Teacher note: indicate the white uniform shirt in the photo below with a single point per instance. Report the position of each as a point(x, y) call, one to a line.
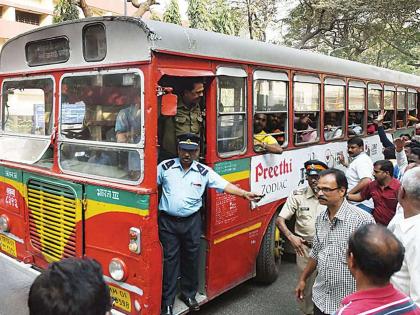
point(407, 280)
point(360, 167)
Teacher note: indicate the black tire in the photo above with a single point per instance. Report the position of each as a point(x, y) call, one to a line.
point(269, 257)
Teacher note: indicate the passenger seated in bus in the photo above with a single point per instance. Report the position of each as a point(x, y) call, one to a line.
point(264, 142)
point(355, 123)
point(333, 128)
point(128, 130)
point(275, 126)
point(304, 131)
point(371, 126)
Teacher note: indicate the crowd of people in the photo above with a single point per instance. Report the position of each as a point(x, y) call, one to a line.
point(356, 257)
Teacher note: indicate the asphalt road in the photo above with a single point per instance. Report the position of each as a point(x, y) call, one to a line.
point(252, 298)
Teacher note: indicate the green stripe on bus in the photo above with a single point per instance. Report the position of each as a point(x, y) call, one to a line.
point(228, 167)
point(117, 197)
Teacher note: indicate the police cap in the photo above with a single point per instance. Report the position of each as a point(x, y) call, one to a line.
point(314, 167)
point(188, 141)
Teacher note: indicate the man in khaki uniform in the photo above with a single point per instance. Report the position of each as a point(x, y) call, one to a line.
point(189, 117)
point(304, 204)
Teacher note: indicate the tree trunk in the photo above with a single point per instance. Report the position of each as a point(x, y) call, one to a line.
point(143, 7)
point(85, 8)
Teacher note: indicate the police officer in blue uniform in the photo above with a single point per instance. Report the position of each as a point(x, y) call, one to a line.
point(183, 182)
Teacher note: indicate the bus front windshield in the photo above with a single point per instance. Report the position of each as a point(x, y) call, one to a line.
point(27, 119)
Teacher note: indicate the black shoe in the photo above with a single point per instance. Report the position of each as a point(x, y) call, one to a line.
point(166, 310)
point(191, 302)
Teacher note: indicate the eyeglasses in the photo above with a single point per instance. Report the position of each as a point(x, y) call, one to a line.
point(327, 190)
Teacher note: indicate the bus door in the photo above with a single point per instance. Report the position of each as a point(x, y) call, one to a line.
point(170, 83)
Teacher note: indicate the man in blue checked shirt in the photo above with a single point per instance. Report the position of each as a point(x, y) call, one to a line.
point(184, 181)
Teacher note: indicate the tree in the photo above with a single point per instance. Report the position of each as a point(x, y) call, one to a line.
point(222, 19)
point(172, 14)
point(383, 33)
point(65, 10)
point(198, 15)
point(257, 15)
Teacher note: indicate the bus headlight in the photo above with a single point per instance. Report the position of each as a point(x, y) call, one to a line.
point(4, 223)
point(117, 269)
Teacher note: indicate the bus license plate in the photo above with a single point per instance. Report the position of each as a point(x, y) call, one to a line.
point(121, 298)
point(8, 245)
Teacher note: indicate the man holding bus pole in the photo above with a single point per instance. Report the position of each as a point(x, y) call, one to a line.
point(184, 181)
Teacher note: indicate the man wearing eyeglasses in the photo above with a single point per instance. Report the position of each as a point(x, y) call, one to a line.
point(304, 205)
point(333, 228)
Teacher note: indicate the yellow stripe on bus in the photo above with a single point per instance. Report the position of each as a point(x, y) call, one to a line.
point(234, 177)
point(95, 208)
point(18, 186)
point(242, 231)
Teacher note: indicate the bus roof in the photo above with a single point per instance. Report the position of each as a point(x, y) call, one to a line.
point(135, 40)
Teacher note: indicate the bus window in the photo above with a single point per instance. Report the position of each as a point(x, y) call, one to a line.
point(270, 99)
point(306, 98)
point(334, 108)
point(103, 109)
point(389, 107)
point(357, 92)
point(374, 106)
point(27, 118)
point(231, 105)
point(412, 109)
point(94, 42)
point(401, 108)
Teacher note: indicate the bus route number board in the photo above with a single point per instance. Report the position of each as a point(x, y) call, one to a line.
point(8, 245)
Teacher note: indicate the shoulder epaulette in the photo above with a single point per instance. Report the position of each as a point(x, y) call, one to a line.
point(203, 171)
point(168, 164)
point(298, 192)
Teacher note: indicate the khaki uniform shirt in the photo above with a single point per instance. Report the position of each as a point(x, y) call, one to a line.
point(186, 121)
point(306, 206)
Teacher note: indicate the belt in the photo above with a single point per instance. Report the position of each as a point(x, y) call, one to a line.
point(175, 218)
point(307, 243)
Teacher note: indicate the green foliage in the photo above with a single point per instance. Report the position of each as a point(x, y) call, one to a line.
point(222, 19)
point(65, 10)
point(172, 14)
point(380, 32)
point(198, 15)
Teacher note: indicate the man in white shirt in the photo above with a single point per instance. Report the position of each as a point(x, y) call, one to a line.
point(407, 231)
point(359, 171)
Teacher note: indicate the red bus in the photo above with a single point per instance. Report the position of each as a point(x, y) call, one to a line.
point(65, 185)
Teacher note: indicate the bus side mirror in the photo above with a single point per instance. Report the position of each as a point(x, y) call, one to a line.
point(169, 103)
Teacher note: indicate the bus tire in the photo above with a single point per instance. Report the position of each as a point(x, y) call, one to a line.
point(269, 256)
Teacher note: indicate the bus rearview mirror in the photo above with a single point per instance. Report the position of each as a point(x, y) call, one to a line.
point(169, 103)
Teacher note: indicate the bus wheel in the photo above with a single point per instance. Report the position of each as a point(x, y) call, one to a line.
point(269, 257)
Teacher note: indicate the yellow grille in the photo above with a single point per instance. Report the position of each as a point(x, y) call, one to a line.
point(52, 219)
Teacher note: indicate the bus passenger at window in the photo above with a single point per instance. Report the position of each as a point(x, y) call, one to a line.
point(275, 126)
point(128, 130)
point(303, 123)
point(264, 142)
point(371, 126)
point(189, 117)
point(333, 129)
point(355, 124)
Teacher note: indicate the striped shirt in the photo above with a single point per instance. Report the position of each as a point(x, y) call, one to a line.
point(334, 280)
point(378, 301)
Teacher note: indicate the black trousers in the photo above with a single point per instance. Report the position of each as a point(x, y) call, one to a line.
point(317, 311)
point(180, 238)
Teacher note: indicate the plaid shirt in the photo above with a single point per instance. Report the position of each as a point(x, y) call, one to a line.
point(334, 280)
